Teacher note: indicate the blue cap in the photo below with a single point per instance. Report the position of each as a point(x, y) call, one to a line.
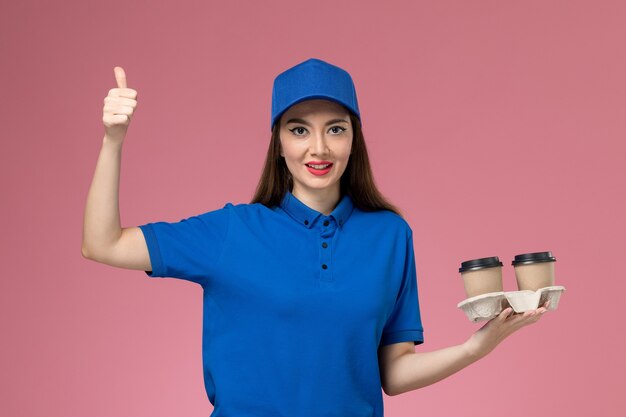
point(311, 79)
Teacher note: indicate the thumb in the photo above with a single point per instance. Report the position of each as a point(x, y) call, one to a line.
point(120, 77)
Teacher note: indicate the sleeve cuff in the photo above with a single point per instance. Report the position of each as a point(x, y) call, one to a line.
point(153, 249)
point(415, 336)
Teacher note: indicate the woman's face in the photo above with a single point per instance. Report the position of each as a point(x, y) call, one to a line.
point(316, 132)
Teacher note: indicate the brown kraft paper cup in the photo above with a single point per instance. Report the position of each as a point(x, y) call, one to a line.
point(481, 276)
point(534, 270)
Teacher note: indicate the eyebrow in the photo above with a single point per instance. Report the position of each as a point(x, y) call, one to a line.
point(304, 122)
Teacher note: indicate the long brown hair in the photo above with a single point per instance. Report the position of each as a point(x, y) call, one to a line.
point(357, 180)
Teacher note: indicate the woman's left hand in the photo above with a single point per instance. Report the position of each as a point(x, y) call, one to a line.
point(499, 328)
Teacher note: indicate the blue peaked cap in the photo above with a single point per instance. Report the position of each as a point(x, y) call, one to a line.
point(311, 79)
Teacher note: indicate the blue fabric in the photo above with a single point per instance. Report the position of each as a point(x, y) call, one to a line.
point(313, 79)
point(282, 335)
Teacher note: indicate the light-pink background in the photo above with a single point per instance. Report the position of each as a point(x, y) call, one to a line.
point(497, 126)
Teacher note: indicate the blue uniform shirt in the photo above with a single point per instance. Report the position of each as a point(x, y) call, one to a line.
point(296, 303)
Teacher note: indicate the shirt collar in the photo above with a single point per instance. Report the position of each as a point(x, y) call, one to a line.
point(307, 216)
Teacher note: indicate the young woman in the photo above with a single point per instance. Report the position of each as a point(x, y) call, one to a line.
point(310, 290)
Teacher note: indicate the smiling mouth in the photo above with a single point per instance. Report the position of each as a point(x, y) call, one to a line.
point(323, 166)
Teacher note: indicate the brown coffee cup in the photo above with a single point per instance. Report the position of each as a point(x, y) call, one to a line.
point(481, 276)
point(534, 270)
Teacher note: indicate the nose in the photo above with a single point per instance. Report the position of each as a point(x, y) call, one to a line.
point(318, 144)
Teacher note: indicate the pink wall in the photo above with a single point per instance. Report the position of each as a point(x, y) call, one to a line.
point(497, 126)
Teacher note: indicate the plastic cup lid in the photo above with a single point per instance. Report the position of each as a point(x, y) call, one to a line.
point(480, 263)
point(528, 258)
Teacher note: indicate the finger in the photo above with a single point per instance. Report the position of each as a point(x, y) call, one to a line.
point(525, 318)
point(120, 77)
point(506, 313)
point(119, 100)
point(123, 92)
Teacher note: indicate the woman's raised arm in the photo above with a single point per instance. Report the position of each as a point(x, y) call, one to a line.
point(104, 240)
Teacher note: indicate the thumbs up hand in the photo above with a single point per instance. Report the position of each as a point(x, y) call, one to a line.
point(119, 106)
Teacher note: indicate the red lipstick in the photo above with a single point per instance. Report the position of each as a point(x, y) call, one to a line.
point(316, 171)
point(318, 162)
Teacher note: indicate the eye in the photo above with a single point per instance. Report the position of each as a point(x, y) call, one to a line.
point(298, 131)
point(341, 129)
